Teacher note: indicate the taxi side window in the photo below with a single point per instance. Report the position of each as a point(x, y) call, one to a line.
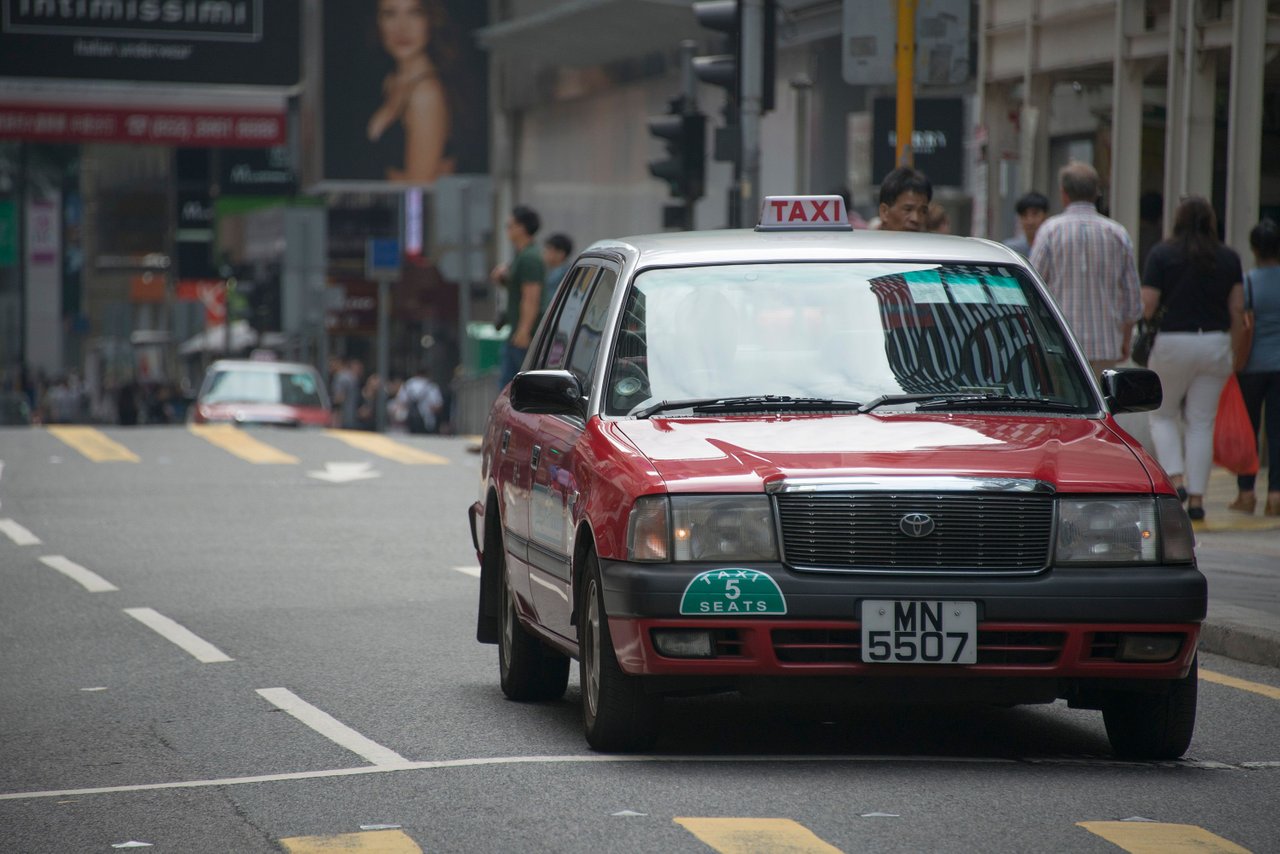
point(573, 301)
point(586, 346)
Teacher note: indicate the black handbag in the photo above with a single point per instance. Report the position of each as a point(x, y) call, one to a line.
point(1144, 338)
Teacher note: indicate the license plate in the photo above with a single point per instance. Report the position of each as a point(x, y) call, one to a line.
point(900, 631)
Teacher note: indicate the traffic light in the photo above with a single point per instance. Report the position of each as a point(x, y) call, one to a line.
point(684, 168)
point(725, 70)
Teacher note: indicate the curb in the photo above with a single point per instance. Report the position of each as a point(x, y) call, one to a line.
point(1241, 633)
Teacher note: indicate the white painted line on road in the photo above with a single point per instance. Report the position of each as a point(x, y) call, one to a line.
point(473, 571)
point(442, 764)
point(201, 649)
point(86, 578)
point(332, 728)
point(20, 535)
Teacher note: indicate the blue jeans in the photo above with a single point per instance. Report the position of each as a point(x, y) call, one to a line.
point(512, 359)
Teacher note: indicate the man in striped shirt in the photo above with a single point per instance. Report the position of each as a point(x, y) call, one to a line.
point(1087, 261)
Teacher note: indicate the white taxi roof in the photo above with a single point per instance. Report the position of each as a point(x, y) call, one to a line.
point(747, 246)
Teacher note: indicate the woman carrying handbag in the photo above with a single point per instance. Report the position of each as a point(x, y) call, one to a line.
point(1260, 374)
point(1197, 280)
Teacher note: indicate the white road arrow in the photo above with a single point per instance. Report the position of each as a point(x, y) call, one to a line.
point(345, 472)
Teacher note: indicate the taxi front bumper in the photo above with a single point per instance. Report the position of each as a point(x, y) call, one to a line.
point(1063, 623)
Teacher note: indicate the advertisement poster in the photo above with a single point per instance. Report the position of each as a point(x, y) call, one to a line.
point(404, 91)
point(248, 42)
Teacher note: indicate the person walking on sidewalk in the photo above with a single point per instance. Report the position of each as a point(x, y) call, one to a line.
point(1195, 280)
point(1087, 261)
point(1260, 376)
point(523, 279)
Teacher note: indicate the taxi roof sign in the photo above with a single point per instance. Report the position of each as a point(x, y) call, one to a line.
point(803, 213)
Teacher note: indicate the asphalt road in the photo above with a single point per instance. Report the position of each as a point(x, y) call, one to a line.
point(204, 654)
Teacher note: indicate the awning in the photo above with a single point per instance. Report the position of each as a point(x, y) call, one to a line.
point(591, 32)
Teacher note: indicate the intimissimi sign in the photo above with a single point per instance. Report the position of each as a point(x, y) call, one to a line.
point(218, 20)
point(245, 42)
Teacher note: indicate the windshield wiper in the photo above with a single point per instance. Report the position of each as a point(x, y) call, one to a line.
point(997, 401)
point(968, 400)
point(749, 403)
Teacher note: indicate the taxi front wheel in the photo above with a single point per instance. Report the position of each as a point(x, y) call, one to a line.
point(618, 714)
point(1155, 725)
point(529, 669)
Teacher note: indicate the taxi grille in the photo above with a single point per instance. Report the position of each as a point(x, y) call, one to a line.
point(865, 532)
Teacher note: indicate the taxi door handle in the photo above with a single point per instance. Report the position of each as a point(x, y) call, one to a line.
point(536, 458)
point(506, 440)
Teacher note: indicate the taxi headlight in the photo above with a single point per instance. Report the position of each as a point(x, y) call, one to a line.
point(1107, 530)
point(702, 528)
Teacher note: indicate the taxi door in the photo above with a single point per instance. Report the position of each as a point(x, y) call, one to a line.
point(560, 478)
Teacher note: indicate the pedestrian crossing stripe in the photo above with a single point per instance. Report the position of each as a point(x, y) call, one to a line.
point(756, 835)
point(387, 448)
point(1152, 837)
point(93, 444)
point(239, 442)
point(370, 842)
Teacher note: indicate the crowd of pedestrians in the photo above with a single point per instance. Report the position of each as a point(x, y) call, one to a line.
point(1213, 319)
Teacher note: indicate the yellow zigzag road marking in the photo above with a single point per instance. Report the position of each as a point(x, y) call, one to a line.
point(388, 448)
point(1242, 684)
point(94, 444)
point(756, 835)
point(371, 842)
point(237, 441)
point(1149, 837)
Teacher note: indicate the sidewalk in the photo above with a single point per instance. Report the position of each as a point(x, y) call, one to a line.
point(1240, 555)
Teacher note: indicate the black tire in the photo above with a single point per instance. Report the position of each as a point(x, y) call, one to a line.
point(1153, 725)
point(618, 715)
point(529, 669)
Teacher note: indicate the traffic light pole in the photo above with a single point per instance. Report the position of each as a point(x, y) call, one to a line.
point(751, 106)
point(689, 90)
point(904, 155)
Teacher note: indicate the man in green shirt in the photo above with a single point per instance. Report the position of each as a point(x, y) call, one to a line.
point(523, 279)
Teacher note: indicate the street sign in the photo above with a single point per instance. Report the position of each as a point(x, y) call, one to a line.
point(870, 36)
point(382, 259)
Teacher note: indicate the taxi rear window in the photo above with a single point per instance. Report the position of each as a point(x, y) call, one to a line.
point(847, 331)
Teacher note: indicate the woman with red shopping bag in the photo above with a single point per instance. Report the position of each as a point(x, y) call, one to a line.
point(1260, 375)
point(1197, 282)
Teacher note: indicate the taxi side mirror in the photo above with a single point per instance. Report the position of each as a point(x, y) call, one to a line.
point(548, 393)
point(1132, 389)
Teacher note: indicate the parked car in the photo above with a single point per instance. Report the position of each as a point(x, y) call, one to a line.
point(804, 459)
point(244, 391)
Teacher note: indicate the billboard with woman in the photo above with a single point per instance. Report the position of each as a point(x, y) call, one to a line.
point(404, 91)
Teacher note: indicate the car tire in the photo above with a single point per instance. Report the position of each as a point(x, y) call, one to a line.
point(618, 715)
point(1153, 725)
point(529, 669)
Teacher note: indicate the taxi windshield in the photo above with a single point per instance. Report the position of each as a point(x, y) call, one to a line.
point(875, 333)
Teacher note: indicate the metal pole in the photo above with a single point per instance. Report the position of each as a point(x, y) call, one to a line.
point(803, 87)
point(904, 156)
point(751, 58)
point(689, 92)
point(464, 287)
point(384, 348)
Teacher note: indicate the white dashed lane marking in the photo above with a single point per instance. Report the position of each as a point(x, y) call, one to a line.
point(86, 578)
point(332, 728)
point(20, 535)
point(200, 649)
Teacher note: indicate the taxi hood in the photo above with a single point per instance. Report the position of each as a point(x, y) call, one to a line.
point(742, 454)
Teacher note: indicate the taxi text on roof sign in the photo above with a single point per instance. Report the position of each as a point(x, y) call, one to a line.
point(807, 213)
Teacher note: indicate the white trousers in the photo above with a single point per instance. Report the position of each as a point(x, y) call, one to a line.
point(1193, 368)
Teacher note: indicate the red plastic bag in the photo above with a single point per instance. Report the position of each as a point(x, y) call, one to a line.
point(1235, 447)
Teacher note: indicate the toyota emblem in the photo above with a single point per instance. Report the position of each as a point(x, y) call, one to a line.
point(916, 525)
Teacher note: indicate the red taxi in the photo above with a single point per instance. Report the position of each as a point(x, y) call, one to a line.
point(802, 458)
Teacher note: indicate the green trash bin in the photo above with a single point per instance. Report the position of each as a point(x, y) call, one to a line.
point(485, 352)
